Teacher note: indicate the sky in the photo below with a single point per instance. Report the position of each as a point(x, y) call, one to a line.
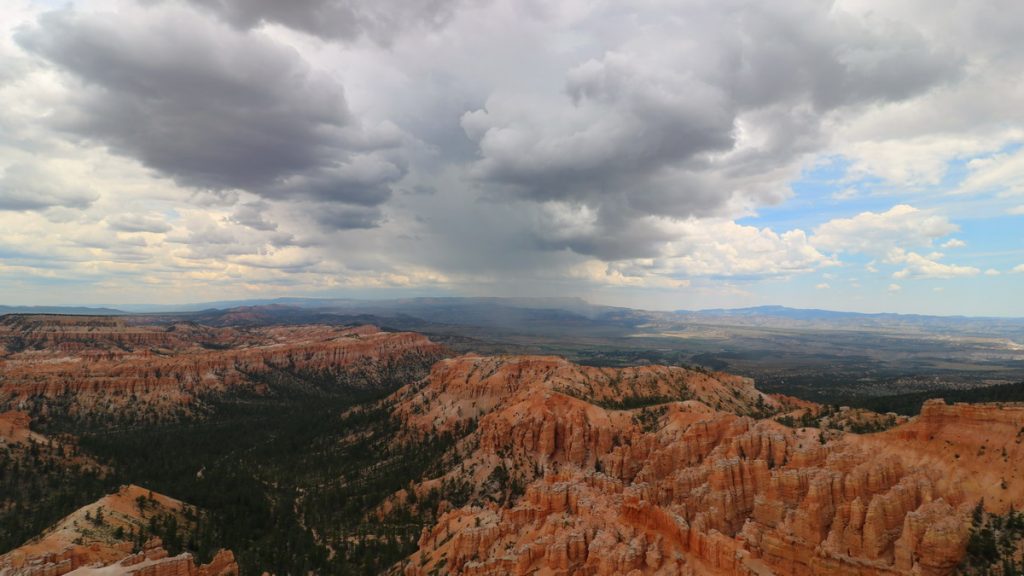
point(850, 155)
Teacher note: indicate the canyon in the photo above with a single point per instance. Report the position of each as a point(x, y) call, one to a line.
point(709, 483)
point(104, 538)
point(524, 464)
point(99, 364)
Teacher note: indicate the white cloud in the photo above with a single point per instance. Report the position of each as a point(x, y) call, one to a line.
point(879, 232)
point(605, 274)
point(846, 194)
point(136, 222)
point(919, 161)
point(918, 266)
point(1001, 173)
point(992, 272)
point(893, 288)
point(701, 248)
point(710, 248)
point(954, 243)
point(1018, 269)
point(30, 186)
point(822, 286)
point(1016, 210)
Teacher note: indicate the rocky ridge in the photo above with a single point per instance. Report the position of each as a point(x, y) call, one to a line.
point(97, 364)
point(80, 545)
point(525, 414)
point(661, 470)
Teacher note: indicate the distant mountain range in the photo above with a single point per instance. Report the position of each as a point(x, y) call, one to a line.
point(817, 314)
point(553, 316)
point(60, 310)
point(817, 354)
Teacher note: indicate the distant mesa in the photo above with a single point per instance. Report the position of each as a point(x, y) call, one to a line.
point(80, 310)
point(104, 363)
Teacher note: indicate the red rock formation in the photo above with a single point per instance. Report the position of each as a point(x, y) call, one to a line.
point(469, 387)
point(105, 362)
point(685, 488)
point(529, 414)
point(14, 427)
point(71, 548)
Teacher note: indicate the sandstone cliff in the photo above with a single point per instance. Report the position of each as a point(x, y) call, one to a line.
point(696, 485)
point(521, 415)
point(99, 364)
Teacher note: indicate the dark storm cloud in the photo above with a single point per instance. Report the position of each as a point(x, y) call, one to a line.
point(691, 117)
point(214, 108)
point(25, 187)
point(380, 20)
point(331, 217)
point(251, 214)
point(634, 241)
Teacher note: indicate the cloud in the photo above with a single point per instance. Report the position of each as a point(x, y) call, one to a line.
point(912, 162)
point(846, 194)
point(251, 214)
point(954, 243)
point(992, 272)
point(1018, 269)
point(1016, 211)
point(346, 218)
point(879, 232)
point(918, 266)
point(257, 147)
point(288, 259)
point(212, 107)
point(380, 20)
point(723, 249)
point(701, 114)
point(605, 274)
point(823, 286)
point(1002, 173)
point(894, 288)
point(138, 223)
point(25, 187)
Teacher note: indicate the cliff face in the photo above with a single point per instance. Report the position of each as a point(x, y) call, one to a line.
point(691, 488)
point(152, 560)
point(527, 414)
point(14, 428)
point(102, 363)
point(81, 546)
point(470, 387)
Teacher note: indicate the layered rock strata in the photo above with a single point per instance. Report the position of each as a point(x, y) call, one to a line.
point(698, 486)
point(98, 364)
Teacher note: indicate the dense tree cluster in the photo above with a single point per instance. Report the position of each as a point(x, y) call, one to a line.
point(996, 544)
point(910, 404)
point(290, 480)
point(40, 483)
